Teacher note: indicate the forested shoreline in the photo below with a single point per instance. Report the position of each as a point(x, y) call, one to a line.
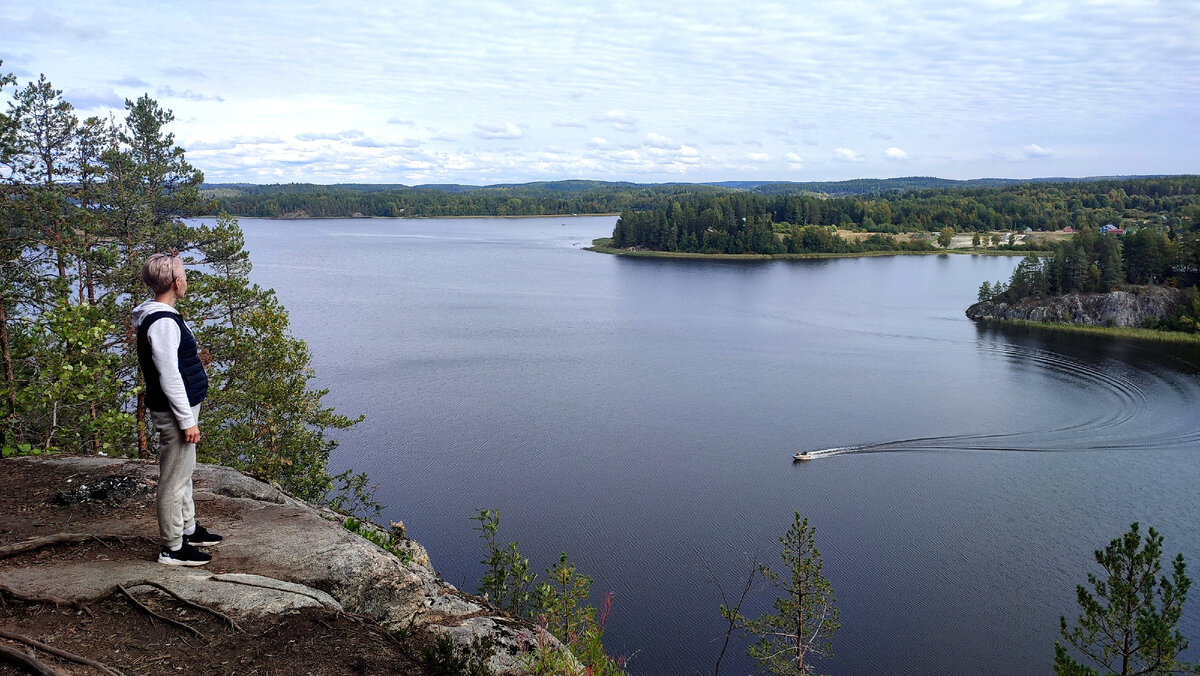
point(1097, 263)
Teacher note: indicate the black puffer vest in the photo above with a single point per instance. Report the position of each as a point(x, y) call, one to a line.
point(195, 380)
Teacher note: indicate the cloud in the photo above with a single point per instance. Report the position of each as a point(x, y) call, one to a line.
point(620, 120)
point(234, 142)
point(91, 99)
point(846, 155)
point(130, 81)
point(881, 136)
point(570, 122)
point(176, 71)
point(379, 143)
point(44, 23)
point(659, 141)
point(404, 123)
point(187, 94)
point(758, 157)
point(599, 143)
point(894, 153)
point(1034, 151)
point(330, 136)
point(794, 161)
point(508, 130)
point(444, 136)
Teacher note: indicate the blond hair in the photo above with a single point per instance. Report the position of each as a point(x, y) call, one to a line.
point(159, 272)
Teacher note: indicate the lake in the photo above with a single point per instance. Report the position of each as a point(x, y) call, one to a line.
point(640, 414)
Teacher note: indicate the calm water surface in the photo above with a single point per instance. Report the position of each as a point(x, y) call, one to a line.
point(641, 414)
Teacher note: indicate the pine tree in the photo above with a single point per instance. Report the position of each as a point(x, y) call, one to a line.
point(1129, 623)
point(805, 613)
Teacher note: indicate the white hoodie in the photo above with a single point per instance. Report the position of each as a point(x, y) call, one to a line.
point(164, 339)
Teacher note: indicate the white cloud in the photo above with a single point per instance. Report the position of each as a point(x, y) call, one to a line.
point(330, 136)
point(92, 99)
point(188, 94)
point(1034, 151)
point(846, 155)
point(794, 161)
point(130, 81)
point(660, 141)
point(620, 120)
point(570, 122)
point(599, 143)
point(894, 153)
point(396, 119)
point(179, 71)
point(508, 130)
point(758, 157)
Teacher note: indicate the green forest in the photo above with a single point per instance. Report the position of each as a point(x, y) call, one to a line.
point(745, 222)
point(83, 203)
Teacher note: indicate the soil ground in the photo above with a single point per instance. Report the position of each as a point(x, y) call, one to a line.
point(115, 632)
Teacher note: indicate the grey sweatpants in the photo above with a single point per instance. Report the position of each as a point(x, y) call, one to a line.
point(176, 460)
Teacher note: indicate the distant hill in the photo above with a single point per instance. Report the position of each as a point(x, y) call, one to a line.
point(879, 186)
point(859, 186)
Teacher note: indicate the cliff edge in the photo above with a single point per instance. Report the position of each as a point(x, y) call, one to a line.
point(1127, 308)
point(290, 590)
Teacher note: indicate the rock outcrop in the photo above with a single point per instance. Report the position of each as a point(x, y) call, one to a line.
point(279, 554)
point(1118, 308)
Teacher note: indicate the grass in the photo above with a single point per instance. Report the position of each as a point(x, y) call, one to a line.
point(1130, 332)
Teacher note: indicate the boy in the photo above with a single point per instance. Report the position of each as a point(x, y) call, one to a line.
point(175, 385)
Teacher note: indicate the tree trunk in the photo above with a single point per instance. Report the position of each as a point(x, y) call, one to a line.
point(9, 377)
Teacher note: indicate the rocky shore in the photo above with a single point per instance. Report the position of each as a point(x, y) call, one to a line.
point(1124, 308)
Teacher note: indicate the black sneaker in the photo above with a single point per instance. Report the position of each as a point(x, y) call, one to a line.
point(202, 538)
point(186, 555)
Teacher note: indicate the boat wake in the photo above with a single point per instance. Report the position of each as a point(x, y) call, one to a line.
point(1122, 417)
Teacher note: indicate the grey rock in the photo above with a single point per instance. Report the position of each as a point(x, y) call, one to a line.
point(1118, 308)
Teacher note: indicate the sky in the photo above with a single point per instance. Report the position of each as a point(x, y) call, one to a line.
point(486, 92)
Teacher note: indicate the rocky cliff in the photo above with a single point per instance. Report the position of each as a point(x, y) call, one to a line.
point(304, 594)
point(1119, 308)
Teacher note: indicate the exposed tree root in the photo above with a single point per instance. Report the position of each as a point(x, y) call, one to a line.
point(56, 539)
point(58, 652)
point(28, 661)
point(6, 591)
point(197, 606)
point(168, 620)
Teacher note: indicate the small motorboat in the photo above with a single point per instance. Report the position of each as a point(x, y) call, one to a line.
point(801, 457)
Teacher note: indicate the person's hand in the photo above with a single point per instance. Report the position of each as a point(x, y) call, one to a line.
point(192, 434)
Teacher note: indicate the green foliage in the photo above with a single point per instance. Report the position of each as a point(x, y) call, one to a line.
point(508, 580)
point(20, 450)
point(805, 613)
point(385, 541)
point(563, 601)
point(444, 658)
point(560, 607)
point(1128, 622)
point(945, 237)
point(64, 389)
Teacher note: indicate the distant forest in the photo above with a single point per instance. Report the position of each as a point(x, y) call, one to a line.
point(769, 218)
